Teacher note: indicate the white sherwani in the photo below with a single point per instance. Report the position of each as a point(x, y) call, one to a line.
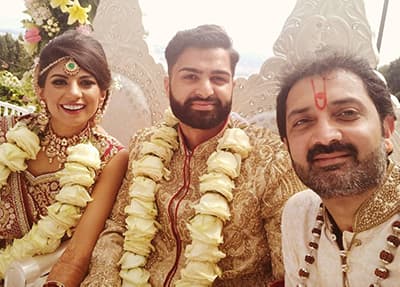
point(372, 227)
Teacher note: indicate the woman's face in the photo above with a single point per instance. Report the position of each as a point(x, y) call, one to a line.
point(72, 96)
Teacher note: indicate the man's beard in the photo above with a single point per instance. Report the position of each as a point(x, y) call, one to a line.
point(200, 119)
point(346, 179)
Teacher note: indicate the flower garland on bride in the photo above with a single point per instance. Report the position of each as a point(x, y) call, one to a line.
point(75, 179)
point(203, 254)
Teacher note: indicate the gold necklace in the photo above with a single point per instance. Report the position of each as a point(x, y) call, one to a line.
point(386, 255)
point(55, 146)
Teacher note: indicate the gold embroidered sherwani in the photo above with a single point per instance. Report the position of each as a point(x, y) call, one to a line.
point(372, 227)
point(252, 240)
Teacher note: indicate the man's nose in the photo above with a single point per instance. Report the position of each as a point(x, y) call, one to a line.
point(205, 89)
point(325, 133)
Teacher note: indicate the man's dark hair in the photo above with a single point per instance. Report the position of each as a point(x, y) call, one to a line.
point(376, 88)
point(203, 37)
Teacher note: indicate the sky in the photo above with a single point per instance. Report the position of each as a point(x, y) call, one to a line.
point(254, 28)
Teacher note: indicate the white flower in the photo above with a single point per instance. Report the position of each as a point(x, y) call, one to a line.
point(203, 273)
point(206, 228)
point(64, 214)
point(167, 134)
point(150, 166)
point(4, 173)
point(130, 260)
point(213, 204)
point(85, 154)
point(217, 182)
point(25, 139)
point(169, 118)
point(74, 194)
point(201, 251)
point(157, 148)
point(236, 141)
point(135, 276)
point(226, 162)
point(76, 173)
point(13, 157)
point(141, 208)
point(143, 188)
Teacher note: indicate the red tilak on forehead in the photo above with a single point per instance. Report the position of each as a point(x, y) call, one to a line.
point(320, 98)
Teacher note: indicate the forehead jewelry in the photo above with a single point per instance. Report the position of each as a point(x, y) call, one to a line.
point(71, 68)
point(320, 98)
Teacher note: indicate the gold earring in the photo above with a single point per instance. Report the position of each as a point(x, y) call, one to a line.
point(44, 116)
point(98, 116)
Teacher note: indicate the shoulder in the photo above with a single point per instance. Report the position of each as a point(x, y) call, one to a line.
point(301, 207)
point(107, 145)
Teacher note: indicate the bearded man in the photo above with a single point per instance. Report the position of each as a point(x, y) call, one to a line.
point(336, 118)
point(202, 199)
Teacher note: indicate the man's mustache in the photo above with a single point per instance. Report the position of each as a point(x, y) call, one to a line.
point(333, 147)
point(210, 99)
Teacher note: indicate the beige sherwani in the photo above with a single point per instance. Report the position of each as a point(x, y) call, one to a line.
point(372, 227)
point(252, 239)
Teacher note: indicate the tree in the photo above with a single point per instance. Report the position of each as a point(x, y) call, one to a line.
point(392, 75)
point(13, 56)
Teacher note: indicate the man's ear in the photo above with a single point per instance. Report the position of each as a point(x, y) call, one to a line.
point(166, 86)
point(388, 129)
point(388, 126)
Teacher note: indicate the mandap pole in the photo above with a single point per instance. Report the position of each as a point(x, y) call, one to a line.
point(382, 24)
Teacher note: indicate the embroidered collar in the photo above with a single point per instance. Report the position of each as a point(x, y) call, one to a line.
point(383, 204)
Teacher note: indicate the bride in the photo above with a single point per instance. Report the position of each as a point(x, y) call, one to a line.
point(59, 170)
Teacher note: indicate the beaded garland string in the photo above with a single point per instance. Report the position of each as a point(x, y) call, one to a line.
point(386, 255)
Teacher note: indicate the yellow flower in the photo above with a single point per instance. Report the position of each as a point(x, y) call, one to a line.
point(130, 260)
point(25, 139)
point(60, 3)
point(206, 228)
point(213, 204)
point(203, 273)
point(78, 13)
point(158, 148)
point(135, 277)
point(217, 182)
point(143, 188)
point(226, 162)
point(169, 118)
point(74, 194)
point(235, 140)
point(141, 208)
point(12, 157)
point(150, 166)
point(75, 173)
point(4, 173)
point(201, 251)
point(85, 154)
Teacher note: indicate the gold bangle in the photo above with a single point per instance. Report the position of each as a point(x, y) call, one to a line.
point(53, 284)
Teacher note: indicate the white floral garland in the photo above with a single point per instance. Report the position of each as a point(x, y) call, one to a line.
point(202, 255)
point(75, 179)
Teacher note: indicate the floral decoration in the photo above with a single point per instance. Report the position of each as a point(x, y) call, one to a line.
point(49, 18)
point(203, 254)
point(75, 179)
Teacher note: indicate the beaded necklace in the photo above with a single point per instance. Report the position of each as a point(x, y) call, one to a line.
point(386, 255)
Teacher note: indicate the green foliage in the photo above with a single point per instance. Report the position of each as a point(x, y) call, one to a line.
point(15, 91)
point(13, 56)
point(392, 75)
